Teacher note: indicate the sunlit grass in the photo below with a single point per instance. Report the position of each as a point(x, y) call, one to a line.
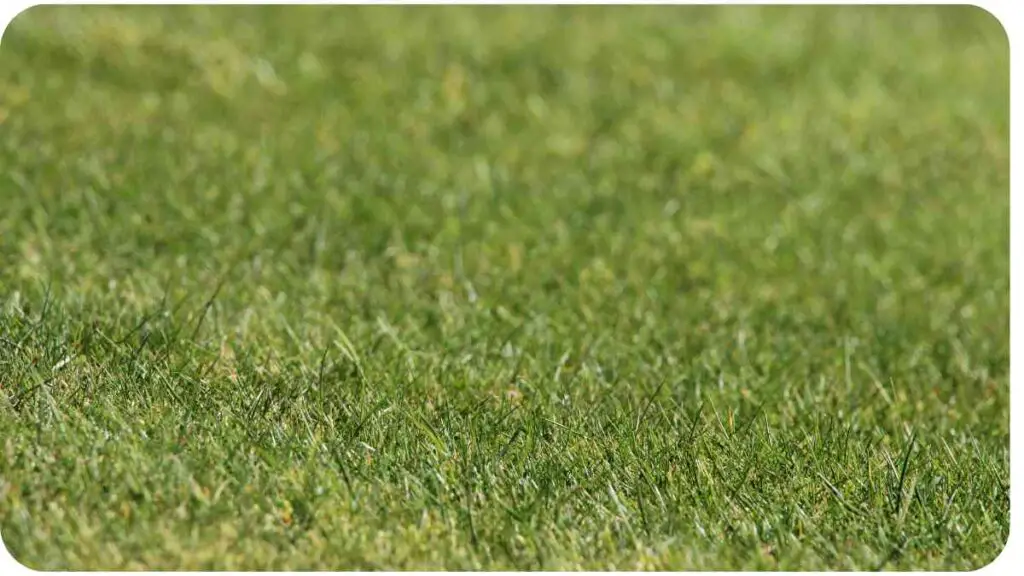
point(504, 288)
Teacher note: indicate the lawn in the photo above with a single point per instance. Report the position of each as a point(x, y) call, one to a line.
point(504, 288)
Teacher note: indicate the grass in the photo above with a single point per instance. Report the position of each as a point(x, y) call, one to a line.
point(504, 288)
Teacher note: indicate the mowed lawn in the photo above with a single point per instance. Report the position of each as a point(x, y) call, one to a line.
point(504, 288)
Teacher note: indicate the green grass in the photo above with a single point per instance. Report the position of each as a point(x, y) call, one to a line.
point(519, 288)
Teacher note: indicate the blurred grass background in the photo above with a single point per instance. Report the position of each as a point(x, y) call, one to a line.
point(493, 287)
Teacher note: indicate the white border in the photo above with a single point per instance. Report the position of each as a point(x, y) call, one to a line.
point(1002, 10)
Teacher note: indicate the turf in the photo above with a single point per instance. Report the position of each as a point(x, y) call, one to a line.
point(504, 288)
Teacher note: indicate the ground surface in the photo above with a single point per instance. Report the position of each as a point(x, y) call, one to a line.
point(624, 288)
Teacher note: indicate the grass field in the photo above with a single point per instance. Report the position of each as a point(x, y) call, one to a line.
point(504, 288)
